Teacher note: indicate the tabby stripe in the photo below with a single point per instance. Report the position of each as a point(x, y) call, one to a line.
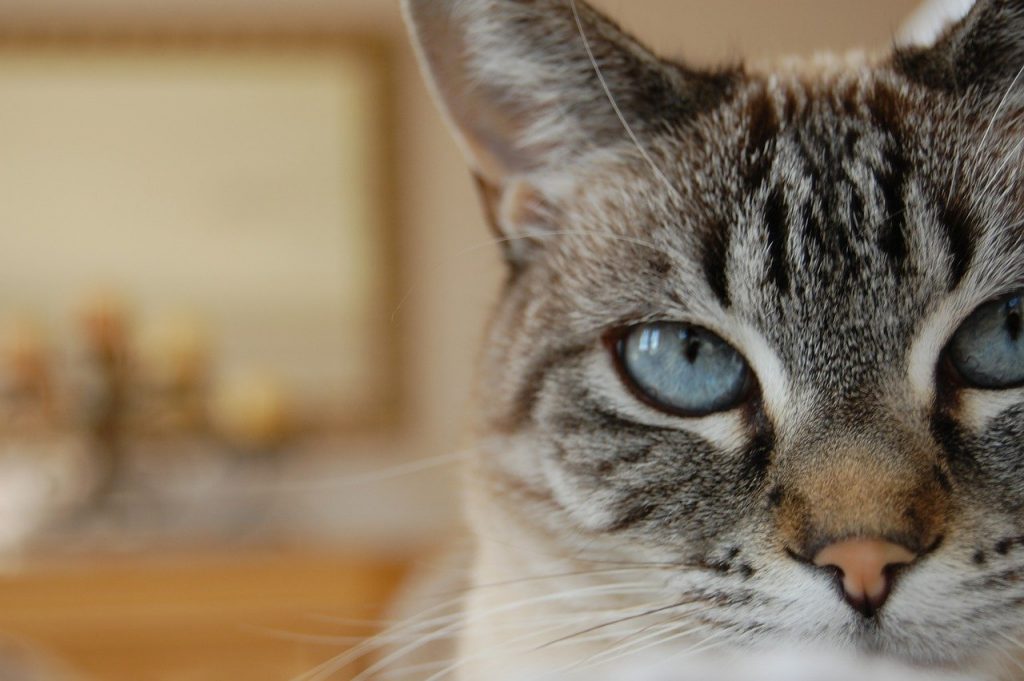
point(714, 261)
point(949, 436)
point(959, 229)
point(529, 391)
point(775, 221)
point(893, 239)
point(886, 109)
point(762, 128)
point(631, 513)
point(831, 238)
point(632, 510)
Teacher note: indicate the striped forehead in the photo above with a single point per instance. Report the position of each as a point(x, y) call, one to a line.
point(836, 242)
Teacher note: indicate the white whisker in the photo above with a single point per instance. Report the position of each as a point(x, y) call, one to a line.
point(660, 636)
point(456, 622)
point(1013, 155)
point(999, 108)
point(615, 106)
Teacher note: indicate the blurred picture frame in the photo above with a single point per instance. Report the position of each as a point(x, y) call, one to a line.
point(242, 182)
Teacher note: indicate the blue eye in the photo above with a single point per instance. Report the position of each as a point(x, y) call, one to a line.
point(988, 348)
point(683, 369)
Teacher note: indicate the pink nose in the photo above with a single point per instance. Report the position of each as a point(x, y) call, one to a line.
point(866, 568)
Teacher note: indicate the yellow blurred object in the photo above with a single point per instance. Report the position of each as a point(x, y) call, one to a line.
point(24, 343)
point(175, 359)
point(104, 319)
point(28, 374)
point(176, 348)
point(252, 411)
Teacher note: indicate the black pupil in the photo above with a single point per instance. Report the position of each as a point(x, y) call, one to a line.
point(1013, 318)
point(692, 350)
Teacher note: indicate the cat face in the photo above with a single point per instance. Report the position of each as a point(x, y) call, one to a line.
point(760, 326)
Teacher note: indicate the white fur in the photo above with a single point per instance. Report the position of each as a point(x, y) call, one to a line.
point(928, 21)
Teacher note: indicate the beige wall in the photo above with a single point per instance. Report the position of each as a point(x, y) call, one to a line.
point(449, 273)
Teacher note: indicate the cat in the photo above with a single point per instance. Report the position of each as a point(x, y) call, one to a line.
point(756, 377)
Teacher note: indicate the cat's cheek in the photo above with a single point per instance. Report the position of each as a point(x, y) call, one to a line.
point(591, 506)
point(535, 463)
point(518, 457)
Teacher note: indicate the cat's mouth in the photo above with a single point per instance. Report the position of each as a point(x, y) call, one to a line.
point(875, 638)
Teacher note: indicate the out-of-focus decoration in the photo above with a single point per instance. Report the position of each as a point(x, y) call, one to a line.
point(27, 380)
point(104, 405)
point(252, 412)
point(130, 421)
point(242, 179)
point(176, 352)
point(44, 470)
point(197, 229)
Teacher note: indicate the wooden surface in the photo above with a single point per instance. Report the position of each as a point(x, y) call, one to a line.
point(198, 617)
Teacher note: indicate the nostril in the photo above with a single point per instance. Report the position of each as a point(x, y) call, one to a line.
point(893, 570)
point(837, 572)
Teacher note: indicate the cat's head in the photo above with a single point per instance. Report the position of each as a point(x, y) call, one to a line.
point(766, 326)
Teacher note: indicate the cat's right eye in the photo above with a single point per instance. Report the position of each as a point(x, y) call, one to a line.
point(988, 349)
point(682, 369)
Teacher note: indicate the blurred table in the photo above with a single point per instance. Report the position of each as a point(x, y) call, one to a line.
point(199, 616)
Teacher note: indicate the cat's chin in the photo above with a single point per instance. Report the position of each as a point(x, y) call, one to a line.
point(797, 665)
point(895, 648)
point(876, 651)
point(787, 664)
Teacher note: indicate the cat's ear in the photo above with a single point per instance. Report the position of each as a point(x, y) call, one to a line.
point(528, 87)
point(981, 55)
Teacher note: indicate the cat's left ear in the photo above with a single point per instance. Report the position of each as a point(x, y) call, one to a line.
point(528, 88)
point(980, 56)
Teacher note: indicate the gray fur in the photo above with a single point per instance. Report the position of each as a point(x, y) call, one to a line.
point(833, 224)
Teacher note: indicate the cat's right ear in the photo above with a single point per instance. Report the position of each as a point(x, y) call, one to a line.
point(980, 56)
point(528, 88)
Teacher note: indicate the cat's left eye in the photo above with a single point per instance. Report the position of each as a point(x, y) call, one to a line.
point(988, 348)
point(682, 369)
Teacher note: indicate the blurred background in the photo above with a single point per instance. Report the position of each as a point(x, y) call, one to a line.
point(242, 280)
